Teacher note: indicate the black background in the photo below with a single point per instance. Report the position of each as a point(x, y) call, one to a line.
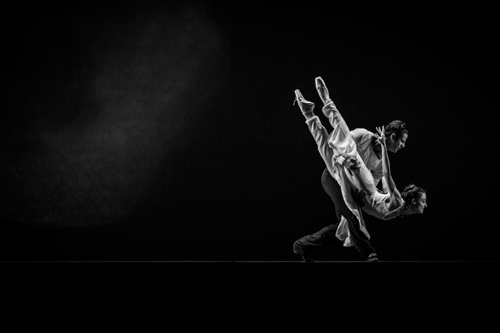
point(167, 131)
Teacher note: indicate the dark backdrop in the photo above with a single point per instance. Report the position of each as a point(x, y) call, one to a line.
point(168, 131)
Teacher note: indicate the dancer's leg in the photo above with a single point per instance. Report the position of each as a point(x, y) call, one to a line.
point(340, 137)
point(316, 128)
point(342, 140)
point(310, 243)
point(360, 240)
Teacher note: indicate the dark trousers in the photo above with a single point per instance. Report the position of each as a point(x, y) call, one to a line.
point(326, 236)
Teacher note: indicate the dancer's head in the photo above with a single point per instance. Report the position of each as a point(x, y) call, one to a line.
point(416, 199)
point(396, 135)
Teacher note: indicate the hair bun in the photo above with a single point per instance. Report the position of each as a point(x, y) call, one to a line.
point(410, 187)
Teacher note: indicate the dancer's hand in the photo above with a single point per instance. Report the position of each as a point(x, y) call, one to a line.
point(381, 135)
point(352, 163)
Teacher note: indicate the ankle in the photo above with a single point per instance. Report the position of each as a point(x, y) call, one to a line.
point(308, 115)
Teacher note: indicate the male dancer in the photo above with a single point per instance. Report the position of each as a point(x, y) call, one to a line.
point(368, 147)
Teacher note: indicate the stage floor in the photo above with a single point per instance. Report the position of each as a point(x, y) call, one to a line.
point(194, 262)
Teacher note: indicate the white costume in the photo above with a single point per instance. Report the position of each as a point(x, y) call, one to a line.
point(334, 148)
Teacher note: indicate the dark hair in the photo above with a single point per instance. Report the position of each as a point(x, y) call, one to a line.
point(411, 192)
point(396, 126)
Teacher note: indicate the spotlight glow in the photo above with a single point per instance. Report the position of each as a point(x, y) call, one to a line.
point(97, 167)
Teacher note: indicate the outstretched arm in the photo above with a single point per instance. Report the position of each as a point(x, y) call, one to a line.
point(395, 197)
